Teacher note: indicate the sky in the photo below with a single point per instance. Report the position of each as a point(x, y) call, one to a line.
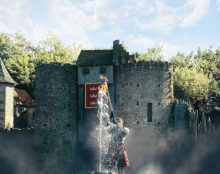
point(180, 25)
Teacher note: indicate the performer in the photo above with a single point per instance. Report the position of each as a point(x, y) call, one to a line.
point(117, 153)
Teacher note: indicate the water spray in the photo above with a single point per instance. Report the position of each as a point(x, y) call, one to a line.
point(104, 106)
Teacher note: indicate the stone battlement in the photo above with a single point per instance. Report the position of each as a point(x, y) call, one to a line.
point(143, 65)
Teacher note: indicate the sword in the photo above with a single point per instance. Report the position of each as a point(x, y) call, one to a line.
point(112, 115)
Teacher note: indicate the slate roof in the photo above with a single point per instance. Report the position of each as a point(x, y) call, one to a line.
point(95, 57)
point(22, 97)
point(4, 75)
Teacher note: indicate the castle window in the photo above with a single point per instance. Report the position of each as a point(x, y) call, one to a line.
point(138, 85)
point(149, 112)
point(33, 115)
point(122, 104)
point(68, 125)
point(137, 103)
point(85, 70)
point(45, 142)
point(102, 70)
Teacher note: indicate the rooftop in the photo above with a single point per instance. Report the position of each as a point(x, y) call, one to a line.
point(95, 57)
point(22, 98)
point(4, 75)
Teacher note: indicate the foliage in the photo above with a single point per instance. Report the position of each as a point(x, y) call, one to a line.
point(6, 46)
point(21, 57)
point(151, 54)
point(194, 84)
point(196, 76)
point(18, 55)
point(53, 50)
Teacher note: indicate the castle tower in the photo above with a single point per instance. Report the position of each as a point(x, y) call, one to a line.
point(66, 110)
point(6, 98)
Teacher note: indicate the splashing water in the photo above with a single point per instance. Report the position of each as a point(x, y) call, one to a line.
point(103, 134)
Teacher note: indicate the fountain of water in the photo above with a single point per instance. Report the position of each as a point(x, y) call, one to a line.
point(104, 120)
point(102, 115)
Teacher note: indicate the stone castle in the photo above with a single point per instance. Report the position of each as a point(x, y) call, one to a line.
point(141, 93)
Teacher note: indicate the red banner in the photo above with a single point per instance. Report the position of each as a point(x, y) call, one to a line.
point(91, 95)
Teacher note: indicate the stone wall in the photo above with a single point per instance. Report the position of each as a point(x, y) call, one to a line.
point(56, 116)
point(139, 84)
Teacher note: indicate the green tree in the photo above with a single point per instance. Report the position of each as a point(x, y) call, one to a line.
point(194, 84)
point(7, 47)
point(196, 76)
point(18, 55)
point(151, 54)
point(21, 57)
point(181, 61)
point(53, 50)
